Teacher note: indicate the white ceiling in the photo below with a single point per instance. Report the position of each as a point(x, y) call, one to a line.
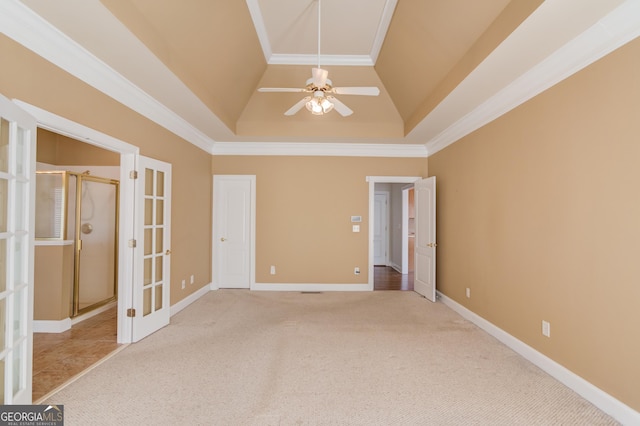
point(288, 30)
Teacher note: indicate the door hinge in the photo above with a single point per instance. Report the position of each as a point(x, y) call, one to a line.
point(133, 174)
point(133, 243)
point(131, 312)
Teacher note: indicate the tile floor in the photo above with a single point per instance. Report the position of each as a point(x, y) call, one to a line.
point(57, 357)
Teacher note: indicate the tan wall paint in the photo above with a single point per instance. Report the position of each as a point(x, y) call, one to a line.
point(539, 214)
point(53, 277)
point(62, 150)
point(32, 79)
point(304, 206)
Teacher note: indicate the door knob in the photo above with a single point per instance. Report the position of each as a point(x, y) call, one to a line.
point(223, 239)
point(168, 252)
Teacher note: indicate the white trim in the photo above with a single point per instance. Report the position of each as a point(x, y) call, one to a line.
point(613, 31)
point(128, 153)
point(320, 149)
point(309, 59)
point(26, 27)
point(174, 309)
point(51, 326)
point(312, 59)
point(383, 28)
point(372, 190)
point(301, 287)
point(615, 408)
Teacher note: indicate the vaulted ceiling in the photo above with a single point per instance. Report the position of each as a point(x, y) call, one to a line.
point(444, 67)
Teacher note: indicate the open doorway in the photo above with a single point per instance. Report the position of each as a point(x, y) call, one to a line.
point(392, 232)
point(76, 259)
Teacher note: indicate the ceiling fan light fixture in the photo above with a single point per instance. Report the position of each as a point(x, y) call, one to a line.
point(319, 104)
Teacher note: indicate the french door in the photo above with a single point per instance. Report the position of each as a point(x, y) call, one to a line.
point(17, 177)
point(151, 286)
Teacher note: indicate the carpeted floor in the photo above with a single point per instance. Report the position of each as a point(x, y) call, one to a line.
point(236, 357)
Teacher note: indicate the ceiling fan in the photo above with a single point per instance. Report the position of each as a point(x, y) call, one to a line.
point(320, 89)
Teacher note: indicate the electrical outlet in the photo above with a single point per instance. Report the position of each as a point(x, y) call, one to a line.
point(184, 284)
point(356, 270)
point(193, 279)
point(468, 293)
point(273, 270)
point(546, 328)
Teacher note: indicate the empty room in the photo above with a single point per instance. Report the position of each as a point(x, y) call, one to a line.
point(199, 198)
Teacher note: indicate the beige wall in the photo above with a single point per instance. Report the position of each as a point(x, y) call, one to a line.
point(36, 81)
point(57, 149)
point(539, 214)
point(53, 280)
point(304, 207)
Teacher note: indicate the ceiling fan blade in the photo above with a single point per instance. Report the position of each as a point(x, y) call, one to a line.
point(319, 77)
point(298, 106)
point(366, 91)
point(281, 89)
point(342, 109)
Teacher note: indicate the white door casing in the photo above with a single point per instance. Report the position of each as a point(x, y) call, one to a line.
point(233, 231)
point(152, 253)
point(381, 228)
point(17, 224)
point(425, 239)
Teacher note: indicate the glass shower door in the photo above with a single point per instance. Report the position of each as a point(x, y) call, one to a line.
point(96, 224)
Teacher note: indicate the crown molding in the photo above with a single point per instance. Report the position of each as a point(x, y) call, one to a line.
point(344, 60)
point(613, 31)
point(311, 59)
point(26, 27)
point(320, 149)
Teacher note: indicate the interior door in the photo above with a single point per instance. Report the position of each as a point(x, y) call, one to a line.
point(380, 228)
point(425, 239)
point(232, 230)
point(17, 221)
point(151, 287)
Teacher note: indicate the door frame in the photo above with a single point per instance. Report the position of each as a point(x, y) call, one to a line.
point(372, 190)
point(252, 237)
point(128, 153)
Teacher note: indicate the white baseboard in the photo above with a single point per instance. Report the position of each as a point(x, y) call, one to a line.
point(311, 287)
point(615, 408)
point(395, 266)
point(51, 326)
point(93, 312)
point(190, 299)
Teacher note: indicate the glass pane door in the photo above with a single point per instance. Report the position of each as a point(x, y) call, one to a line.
point(151, 289)
point(17, 142)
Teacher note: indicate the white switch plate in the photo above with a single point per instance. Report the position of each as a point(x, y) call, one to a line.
point(272, 271)
point(356, 228)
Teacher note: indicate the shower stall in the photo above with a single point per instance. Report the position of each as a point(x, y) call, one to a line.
point(82, 210)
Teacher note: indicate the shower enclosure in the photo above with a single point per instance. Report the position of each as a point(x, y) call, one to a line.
point(83, 209)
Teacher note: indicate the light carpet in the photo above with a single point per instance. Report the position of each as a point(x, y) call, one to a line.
point(236, 357)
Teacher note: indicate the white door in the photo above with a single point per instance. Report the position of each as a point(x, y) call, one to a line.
point(380, 228)
point(17, 219)
point(233, 207)
point(152, 258)
point(425, 240)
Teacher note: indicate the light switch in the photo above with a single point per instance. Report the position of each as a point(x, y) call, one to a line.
point(356, 228)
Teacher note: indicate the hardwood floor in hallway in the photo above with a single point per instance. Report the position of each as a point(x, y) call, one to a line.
point(58, 357)
point(387, 278)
